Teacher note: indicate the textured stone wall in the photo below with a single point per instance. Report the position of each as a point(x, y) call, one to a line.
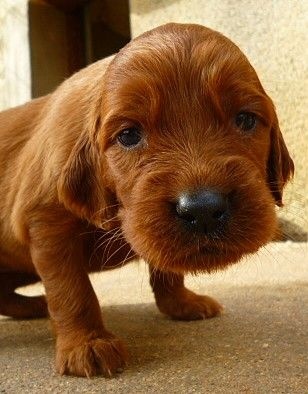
point(15, 84)
point(273, 34)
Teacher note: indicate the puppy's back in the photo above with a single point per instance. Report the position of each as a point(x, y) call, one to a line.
point(16, 127)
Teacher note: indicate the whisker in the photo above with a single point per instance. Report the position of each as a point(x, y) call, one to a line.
point(114, 253)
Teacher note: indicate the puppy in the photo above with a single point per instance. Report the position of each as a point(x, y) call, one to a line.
point(170, 152)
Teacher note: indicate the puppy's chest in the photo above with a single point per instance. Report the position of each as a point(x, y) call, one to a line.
point(104, 251)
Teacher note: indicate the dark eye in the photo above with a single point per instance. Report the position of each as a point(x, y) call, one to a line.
point(246, 121)
point(130, 137)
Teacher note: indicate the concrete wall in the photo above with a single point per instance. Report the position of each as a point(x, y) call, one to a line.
point(273, 34)
point(15, 83)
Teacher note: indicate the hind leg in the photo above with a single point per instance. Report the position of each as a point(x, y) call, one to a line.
point(17, 305)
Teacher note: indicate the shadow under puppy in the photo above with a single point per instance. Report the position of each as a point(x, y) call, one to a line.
point(170, 152)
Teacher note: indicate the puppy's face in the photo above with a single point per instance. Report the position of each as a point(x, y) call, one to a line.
point(193, 148)
point(189, 136)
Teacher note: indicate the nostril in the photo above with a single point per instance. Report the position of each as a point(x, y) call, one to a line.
point(218, 214)
point(189, 218)
point(184, 212)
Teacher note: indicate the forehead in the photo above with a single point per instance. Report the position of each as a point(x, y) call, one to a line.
point(174, 70)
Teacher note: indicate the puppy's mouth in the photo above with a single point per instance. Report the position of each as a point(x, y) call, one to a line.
point(201, 232)
point(209, 250)
point(171, 248)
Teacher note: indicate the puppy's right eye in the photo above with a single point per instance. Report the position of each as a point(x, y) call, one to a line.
point(246, 121)
point(130, 138)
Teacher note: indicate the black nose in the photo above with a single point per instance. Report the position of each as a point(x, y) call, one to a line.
point(206, 211)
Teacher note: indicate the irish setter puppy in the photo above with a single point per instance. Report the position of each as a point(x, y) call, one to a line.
point(171, 152)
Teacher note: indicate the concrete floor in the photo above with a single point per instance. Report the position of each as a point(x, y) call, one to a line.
point(259, 345)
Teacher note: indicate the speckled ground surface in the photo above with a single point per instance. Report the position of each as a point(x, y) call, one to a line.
point(259, 345)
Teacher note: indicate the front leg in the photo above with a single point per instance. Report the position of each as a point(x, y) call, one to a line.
point(83, 346)
point(174, 300)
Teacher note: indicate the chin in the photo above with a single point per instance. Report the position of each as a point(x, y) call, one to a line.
point(171, 248)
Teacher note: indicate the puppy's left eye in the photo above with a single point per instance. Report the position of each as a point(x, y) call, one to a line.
point(246, 121)
point(130, 137)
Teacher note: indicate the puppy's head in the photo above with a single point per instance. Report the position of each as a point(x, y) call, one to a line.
point(192, 145)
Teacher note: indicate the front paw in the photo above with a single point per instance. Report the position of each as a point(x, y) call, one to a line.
point(98, 356)
point(184, 304)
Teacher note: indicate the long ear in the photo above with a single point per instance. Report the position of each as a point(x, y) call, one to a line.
point(81, 185)
point(280, 166)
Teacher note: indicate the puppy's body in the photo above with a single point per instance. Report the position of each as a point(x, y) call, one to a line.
point(18, 128)
point(171, 152)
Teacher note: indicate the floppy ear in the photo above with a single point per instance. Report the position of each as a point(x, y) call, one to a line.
point(81, 185)
point(280, 166)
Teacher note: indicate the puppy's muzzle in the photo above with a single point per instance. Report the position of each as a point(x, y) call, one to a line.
point(204, 211)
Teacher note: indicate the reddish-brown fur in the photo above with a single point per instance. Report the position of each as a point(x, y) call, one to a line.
point(74, 201)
